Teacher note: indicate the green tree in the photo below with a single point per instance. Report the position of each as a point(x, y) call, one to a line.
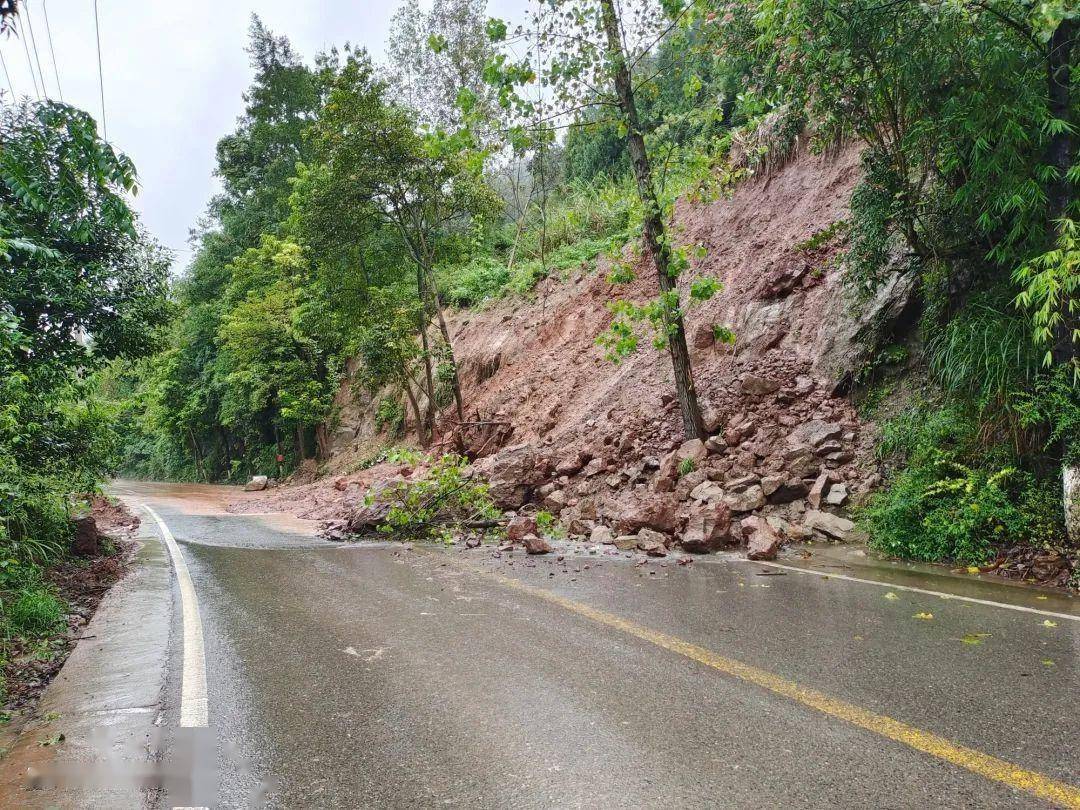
point(79, 287)
point(425, 188)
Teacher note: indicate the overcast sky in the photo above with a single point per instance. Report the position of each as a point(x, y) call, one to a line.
point(174, 74)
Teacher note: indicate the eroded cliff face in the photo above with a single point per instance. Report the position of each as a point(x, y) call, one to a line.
point(599, 443)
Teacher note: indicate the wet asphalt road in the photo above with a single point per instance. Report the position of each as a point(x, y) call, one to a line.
point(378, 676)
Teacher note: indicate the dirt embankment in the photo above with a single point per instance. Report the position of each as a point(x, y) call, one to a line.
point(600, 444)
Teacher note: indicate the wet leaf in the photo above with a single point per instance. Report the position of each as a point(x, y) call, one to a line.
point(974, 638)
point(923, 616)
point(1043, 598)
point(1048, 623)
point(891, 595)
point(1047, 662)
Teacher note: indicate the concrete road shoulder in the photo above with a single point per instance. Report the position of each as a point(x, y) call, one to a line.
point(105, 702)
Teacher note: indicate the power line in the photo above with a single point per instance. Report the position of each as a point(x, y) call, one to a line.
point(30, 67)
point(7, 76)
point(33, 42)
point(100, 72)
point(52, 51)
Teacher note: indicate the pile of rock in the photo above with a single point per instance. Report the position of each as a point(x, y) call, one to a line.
point(761, 479)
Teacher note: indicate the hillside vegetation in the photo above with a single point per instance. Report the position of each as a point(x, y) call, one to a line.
point(365, 206)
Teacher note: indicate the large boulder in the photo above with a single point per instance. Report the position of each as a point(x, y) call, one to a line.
point(520, 526)
point(790, 490)
point(758, 386)
point(648, 510)
point(858, 325)
point(602, 535)
point(829, 524)
point(748, 500)
point(652, 543)
point(762, 540)
point(257, 483)
point(535, 545)
point(1070, 476)
point(513, 474)
point(708, 529)
point(815, 433)
point(819, 490)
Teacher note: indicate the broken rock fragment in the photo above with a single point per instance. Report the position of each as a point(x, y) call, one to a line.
point(828, 523)
point(708, 529)
point(748, 500)
point(762, 540)
point(535, 545)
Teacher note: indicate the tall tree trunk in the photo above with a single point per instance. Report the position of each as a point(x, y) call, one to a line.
point(656, 242)
point(322, 442)
point(300, 449)
point(455, 381)
point(429, 378)
point(228, 450)
point(1061, 154)
point(421, 433)
point(197, 452)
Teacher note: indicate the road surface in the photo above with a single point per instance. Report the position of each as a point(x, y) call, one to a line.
point(376, 675)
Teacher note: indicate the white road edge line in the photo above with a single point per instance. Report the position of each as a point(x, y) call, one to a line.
point(1071, 617)
point(193, 698)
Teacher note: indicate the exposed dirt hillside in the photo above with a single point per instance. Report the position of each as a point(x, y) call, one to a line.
point(599, 443)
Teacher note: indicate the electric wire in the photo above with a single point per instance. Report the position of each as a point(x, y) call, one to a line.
point(30, 67)
point(101, 73)
point(11, 87)
point(33, 43)
point(52, 50)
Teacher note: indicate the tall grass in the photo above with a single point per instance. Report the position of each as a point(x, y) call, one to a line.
point(984, 354)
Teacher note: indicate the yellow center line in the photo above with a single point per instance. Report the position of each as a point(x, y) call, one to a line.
point(990, 767)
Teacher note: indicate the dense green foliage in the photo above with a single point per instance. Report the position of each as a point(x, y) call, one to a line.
point(967, 111)
point(360, 201)
point(80, 287)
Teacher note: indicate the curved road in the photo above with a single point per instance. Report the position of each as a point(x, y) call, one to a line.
point(383, 676)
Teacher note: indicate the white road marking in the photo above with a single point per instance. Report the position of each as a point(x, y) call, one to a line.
point(893, 587)
point(193, 700)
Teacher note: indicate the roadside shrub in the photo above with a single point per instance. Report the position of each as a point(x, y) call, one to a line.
point(36, 613)
point(446, 500)
point(548, 525)
point(954, 498)
point(948, 511)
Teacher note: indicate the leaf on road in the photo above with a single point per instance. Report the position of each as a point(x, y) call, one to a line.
point(973, 569)
point(1043, 598)
point(923, 616)
point(1047, 662)
point(891, 595)
point(1049, 623)
point(974, 638)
